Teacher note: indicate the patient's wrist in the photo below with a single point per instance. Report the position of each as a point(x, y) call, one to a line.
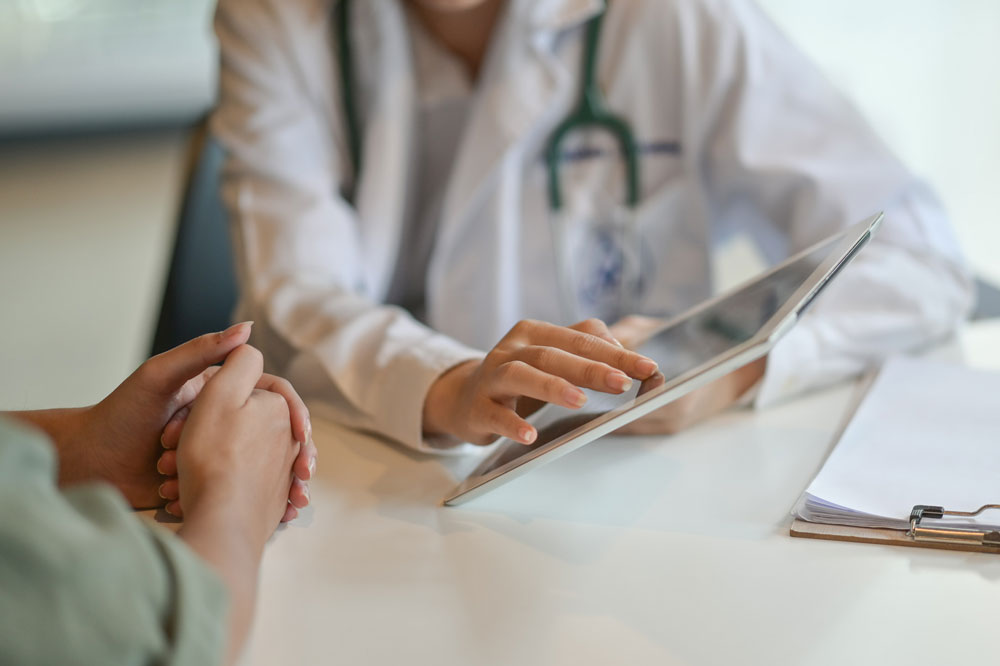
point(69, 430)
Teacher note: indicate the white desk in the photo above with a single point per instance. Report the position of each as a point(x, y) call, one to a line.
point(628, 551)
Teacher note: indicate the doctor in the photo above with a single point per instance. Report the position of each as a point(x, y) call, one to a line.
point(393, 210)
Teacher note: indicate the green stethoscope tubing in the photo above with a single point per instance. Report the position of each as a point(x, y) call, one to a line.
point(591, 111)
point(347, 87)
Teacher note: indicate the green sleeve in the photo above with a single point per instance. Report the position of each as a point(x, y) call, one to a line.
point(85, 581)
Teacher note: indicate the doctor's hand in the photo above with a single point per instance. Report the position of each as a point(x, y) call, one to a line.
point(535, 363)
point(694, 407)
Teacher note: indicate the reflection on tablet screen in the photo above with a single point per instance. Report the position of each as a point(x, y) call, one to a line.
point(688, 344)
point(550, 429)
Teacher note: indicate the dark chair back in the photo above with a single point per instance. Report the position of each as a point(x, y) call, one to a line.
point(200, 293)
point(987, 301)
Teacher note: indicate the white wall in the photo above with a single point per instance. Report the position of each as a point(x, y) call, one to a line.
point(86, 226)
point(927, 74)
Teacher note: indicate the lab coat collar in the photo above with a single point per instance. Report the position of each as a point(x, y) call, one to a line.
point(559, 15)
point(521, 79)
point(525, 91)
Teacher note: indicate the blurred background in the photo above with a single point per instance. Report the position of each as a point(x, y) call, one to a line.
point(100, 157)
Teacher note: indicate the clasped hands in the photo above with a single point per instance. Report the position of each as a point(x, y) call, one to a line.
point(179, 415)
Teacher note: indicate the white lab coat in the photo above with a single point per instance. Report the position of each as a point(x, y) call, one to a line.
point(739, 133)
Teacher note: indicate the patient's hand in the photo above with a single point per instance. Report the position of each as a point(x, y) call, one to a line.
point(305, 462)
point(235, 459)
point(697, 405)
point(118, 440)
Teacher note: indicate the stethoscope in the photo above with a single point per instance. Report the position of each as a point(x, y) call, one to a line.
point(590, 112)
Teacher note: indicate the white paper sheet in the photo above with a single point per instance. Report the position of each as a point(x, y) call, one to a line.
point(926, 433)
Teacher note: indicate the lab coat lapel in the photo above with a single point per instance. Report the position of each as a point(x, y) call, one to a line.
point(521, 79)
point(524, 92)
point(383, 195)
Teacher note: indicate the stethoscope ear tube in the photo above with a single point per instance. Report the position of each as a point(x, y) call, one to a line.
point(592, 111)
point(347, 87)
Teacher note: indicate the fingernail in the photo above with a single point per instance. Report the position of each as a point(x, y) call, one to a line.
point(158, 468)
point(646, 367)
point(575, 397)
point(305, 491)
point(312, 466)
point(618, 381)
point(619, 343)
point(234, 330)
point(527, 435)
point(170, 511)
point(159, 491)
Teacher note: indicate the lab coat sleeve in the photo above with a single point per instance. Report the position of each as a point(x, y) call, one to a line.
point(786, 156)
point(297, 242)
point(85, 581)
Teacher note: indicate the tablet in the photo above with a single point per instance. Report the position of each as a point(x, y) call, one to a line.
point(693, 349)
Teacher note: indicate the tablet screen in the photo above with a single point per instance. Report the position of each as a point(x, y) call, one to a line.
point(687, 344)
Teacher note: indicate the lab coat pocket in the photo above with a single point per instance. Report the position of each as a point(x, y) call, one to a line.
point(598, 258)
point(605, 264)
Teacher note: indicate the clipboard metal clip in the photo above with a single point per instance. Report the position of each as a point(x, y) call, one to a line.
point(972, 536)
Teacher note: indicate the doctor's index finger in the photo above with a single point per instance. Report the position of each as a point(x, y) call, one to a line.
point(589, 346)
point(553, 363)
point(237, 379)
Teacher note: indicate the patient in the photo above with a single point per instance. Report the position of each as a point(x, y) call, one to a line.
point(84, 580)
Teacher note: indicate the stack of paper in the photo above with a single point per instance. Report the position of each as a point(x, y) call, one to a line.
point(925, 433)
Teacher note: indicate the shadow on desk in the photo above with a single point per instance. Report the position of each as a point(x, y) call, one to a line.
point(577, 508)
point(984, 565)
point(368, 473)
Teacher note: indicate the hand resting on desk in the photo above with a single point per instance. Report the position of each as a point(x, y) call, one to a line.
point(118, 440)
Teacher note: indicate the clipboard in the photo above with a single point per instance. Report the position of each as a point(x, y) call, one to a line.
point(928, 525)
point(920, 534)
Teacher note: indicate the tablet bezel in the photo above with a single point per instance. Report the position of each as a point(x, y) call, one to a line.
point(854, 238)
